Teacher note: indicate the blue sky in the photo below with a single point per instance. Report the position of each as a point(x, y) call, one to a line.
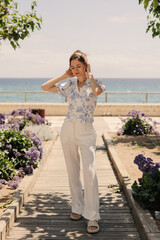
point(112, 33)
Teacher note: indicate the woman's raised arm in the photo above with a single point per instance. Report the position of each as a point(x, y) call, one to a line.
point(50, 85)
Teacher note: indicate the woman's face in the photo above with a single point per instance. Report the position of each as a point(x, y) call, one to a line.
point(77, 68)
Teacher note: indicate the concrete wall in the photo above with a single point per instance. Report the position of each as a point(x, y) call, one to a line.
point(102, 109)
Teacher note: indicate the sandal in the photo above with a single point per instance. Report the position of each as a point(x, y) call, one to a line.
point(92, 224)
point(75, 216)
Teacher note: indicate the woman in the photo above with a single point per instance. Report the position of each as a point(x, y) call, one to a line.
point(77, 133)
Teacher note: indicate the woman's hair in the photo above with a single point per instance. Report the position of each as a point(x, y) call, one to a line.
point(78, 55)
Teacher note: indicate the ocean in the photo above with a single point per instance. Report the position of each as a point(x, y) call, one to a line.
point(112, 85)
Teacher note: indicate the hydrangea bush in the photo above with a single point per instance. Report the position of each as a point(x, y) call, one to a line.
point(20, 118)
point(147, 190)
point(20, 152)
point(137, 123)
point(20, 149)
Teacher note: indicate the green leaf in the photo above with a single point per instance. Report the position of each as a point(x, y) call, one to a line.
point(155, 4)
point(146, 2)
point(135, 186)
point(152, 198)
point(140, 1)
point(13, 45)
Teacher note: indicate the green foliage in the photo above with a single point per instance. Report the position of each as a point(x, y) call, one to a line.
point(137, 123)
point(15, 26)
point(136, 126)
point(153, 7)
point(6, 204)
point(7, 170)
point(147, 191)
point(14, 145)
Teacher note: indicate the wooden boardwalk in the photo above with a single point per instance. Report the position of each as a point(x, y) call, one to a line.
point(45, 215)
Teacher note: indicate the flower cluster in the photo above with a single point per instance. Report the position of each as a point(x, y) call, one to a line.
point(20, 118)
point(137, 123)
point(19, 154)
point(20, 151)
point(14, 182)
point(146, 164)
point(147, 190)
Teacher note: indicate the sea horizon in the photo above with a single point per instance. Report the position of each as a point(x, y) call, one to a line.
point(112, 85)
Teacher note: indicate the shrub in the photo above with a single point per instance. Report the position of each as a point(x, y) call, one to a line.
point(20, 118)
point(137, 123)
point(147, 190)
point(18, 151)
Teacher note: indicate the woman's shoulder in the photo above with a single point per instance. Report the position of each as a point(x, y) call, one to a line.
point(66, 83)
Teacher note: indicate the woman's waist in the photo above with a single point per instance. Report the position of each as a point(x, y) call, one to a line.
point(80, 118)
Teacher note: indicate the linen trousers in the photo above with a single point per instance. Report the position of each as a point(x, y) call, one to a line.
point(79, 139)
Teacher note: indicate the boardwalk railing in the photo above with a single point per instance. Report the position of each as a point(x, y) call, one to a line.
point(106, 94)
point(145, 93)
point(27, 92)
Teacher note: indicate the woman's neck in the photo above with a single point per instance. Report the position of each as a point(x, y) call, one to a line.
point(82, 79)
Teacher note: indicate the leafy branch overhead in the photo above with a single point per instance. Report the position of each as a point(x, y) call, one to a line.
point(15, 26)
point(153, 7)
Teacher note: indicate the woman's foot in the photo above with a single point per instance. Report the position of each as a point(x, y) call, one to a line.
point(92, 227)
point(75, 216)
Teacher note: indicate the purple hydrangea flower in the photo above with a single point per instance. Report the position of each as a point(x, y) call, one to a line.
point(29, 169)
point(35, 155)
point(17, 154)
point(14, 182)
point(21, 172)
point(36, 140)
point(146, 164)
point(10, 182)
point(27, 155)
point(41, 152)
point(15, 126)
point(2, 181)
point(16, 179)
point(14, 185)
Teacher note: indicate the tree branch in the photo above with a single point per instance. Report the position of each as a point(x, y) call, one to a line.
point(5, 11)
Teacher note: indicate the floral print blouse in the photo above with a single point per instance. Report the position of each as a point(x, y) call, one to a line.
point(81, 103)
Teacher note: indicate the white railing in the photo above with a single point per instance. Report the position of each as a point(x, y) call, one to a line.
point(106, 94)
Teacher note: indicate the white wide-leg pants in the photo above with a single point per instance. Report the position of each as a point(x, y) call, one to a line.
point(77, 136)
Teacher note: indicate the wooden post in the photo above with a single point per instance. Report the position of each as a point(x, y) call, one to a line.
point(106, 97)
point(25, 97)
point(146, 97)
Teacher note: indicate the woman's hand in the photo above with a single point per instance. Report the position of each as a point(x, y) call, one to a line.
point(89, 74)
point(69, 73)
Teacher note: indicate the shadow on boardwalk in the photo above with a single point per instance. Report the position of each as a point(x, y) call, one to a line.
point(46, 216)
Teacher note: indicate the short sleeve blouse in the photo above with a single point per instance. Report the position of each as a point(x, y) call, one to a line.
point(81, 103)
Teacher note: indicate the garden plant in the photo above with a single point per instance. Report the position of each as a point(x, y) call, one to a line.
point(137, 123)
point(147, 190)
point(20, 152)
